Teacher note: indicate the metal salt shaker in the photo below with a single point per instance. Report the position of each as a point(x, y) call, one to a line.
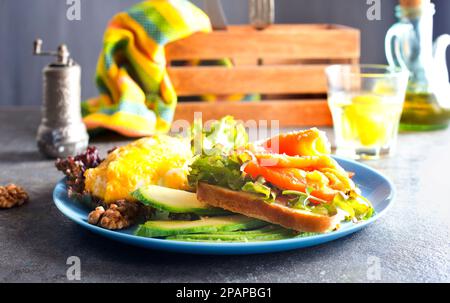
point(62, 132)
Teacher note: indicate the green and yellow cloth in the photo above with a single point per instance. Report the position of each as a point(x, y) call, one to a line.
point(136, 95)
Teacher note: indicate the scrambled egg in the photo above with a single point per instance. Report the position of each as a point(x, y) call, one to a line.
point(154, 160)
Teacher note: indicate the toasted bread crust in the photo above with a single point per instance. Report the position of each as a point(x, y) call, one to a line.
point(252, 206)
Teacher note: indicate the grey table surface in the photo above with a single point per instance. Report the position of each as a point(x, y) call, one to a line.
point(409, 244)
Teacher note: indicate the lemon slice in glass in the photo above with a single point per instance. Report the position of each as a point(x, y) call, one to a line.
point(366, 117)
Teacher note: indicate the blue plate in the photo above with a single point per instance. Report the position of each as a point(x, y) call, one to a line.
point(376, 187)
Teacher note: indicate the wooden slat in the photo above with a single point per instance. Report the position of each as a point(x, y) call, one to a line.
point(277, 41)
point(288, 113)
point(288, 79)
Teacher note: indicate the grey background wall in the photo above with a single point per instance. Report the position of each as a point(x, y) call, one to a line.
point(21, 21)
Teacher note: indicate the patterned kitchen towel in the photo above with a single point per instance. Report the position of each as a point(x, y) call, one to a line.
point(136, 95)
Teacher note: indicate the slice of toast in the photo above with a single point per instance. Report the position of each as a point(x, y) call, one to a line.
point(251, 205)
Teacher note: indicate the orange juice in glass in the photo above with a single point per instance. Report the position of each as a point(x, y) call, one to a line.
point(366, 103)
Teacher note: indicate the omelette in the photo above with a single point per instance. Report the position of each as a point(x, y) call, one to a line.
point(159, 159)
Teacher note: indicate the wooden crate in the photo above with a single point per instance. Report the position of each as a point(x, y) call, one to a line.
point(285, 63)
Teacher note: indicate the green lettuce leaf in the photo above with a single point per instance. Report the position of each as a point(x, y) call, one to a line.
point(217, 169)
point(260, 189)
point(362, 207)
point(355, 206)
point(225, 170)
point(222, 136)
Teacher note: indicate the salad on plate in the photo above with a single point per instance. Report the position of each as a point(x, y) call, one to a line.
point(216, 186)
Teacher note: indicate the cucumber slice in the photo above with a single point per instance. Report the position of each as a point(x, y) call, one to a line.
point(152, 229)
point(263, 230)
point(239, 237)
point(174, 201)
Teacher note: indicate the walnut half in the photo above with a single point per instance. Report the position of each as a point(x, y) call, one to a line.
point(95, 215)
point(12, 195)
point(118, 215)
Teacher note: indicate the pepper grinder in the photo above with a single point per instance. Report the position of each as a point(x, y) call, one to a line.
point(62, 132)
point(261, 13)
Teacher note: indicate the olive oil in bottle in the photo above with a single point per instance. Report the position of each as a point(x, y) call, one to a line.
point(421, 111)
point(409, 45)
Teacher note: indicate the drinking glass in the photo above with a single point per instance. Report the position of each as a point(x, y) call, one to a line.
point(366, 103)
